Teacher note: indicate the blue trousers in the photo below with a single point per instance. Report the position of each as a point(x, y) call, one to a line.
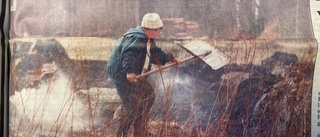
point(137, 99)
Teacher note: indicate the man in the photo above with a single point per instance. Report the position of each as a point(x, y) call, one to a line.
point(132, 56)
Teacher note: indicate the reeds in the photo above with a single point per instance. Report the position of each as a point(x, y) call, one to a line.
point(284, 107)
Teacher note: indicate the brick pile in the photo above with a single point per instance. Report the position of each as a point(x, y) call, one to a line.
point(179, 28)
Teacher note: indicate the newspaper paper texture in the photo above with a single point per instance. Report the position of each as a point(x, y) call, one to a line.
point(265, 79)
point(315, 119)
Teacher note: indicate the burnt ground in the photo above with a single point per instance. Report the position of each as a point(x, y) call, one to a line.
point(273, 98)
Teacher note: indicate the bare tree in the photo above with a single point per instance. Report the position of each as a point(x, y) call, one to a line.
point(256, 10)
point(238, 26)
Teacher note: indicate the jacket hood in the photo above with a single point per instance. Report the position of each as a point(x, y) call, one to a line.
point(138, 32)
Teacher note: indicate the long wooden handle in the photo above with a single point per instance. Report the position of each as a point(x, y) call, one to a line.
point(172, 64)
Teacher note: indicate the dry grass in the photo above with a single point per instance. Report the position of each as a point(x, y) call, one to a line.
point(82, 48)
point(289, 99)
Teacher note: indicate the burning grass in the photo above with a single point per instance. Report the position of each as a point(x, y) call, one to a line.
point(244, 102)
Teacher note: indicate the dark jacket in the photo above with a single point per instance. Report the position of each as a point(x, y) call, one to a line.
point(129, 55)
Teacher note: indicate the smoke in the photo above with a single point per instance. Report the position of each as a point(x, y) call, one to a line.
point(185, 94)
point(52, 107)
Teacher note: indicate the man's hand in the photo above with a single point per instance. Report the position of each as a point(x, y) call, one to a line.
point(175, 60)
point(131, 77)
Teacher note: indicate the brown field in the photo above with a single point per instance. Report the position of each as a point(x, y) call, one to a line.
point(242, 52)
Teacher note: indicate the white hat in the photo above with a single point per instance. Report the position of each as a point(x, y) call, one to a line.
point(151, 21)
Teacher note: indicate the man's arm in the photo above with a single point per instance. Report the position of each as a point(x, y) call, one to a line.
point(130, 53)
point(160, 57)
